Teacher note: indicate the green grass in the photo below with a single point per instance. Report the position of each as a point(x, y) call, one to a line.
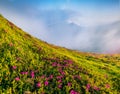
point(31, 66)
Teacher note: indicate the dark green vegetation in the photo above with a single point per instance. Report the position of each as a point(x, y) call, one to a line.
point(31, 66)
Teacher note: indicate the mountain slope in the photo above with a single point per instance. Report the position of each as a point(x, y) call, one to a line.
point(31, 66)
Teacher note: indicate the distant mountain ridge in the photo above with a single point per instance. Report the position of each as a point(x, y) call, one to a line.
point(31, 66)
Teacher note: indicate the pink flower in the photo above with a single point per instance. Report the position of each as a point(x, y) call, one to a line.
point(51, 77)
point(63, 73)
point(43, 76)
point(87, 87)
point(60, 86)
point(17, 78)
point(54, 64)
point(59, 81)
point(66, 65)
point(46, 83)
point(59, 77)
point(70, 62)
point(65, 61)
point(69, 84)
point(24, 73)
point(77, 76)
point(14, 67)
point(38, 84)
point(73, 92)
point(32, 74)
point(107, 86)
point(47, 78)
point(96, 88)
point(58, 65)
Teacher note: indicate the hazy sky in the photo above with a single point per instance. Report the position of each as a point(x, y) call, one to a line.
point(86, 25)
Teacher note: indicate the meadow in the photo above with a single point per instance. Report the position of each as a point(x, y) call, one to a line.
point(31, 66)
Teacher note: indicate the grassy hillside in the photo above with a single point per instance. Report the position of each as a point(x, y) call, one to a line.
point(31, 66)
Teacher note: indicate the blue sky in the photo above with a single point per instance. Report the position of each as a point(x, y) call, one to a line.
point(84, 25)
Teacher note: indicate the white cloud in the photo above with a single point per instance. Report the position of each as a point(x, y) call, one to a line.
point(112, 40)
point(93, 19)
point(105, 39)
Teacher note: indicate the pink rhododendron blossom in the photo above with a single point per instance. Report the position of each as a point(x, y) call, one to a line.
point(107, 86)
point(24, 73)
point(96, 88)
point(58, 65)
point(60, 86)
point(70, 62)
point(59, 77)
point(54, 64)
point(51, 76)
point(38, 84)
point(43, 76)
point(87, 87)
point(32, 74)
point(73, 92)
point(46, 83)
point(69, 84)
point(14, 67)
point(17, 78)
point(77, 76)
point(59, 81)
point(63, 73)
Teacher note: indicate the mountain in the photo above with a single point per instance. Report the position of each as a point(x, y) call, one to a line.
point(31, 66)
